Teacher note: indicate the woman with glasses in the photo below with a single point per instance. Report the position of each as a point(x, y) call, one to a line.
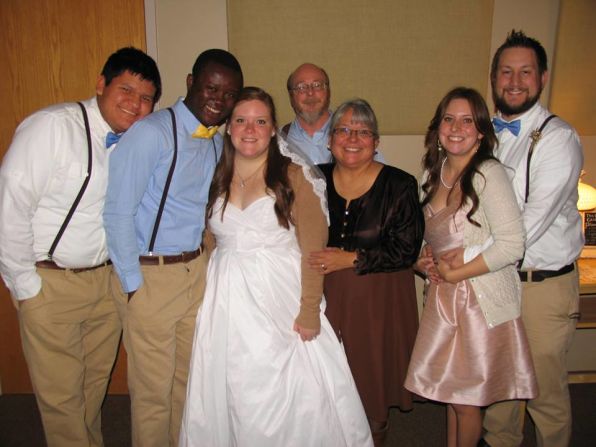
point(374, 238)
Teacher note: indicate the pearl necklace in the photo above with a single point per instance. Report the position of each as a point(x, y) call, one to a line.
point(441, 175)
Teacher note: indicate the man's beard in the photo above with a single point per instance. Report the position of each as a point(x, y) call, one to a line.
point(311, 117)
point(508, 110)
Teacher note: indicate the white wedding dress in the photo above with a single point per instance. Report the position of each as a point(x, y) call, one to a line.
point(252, 381)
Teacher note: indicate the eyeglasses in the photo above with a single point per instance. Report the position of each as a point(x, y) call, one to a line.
point(346, 132)
point(316, 86)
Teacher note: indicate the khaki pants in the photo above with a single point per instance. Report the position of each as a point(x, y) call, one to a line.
point(70, 333)
point(159, 324)
point(549, 312)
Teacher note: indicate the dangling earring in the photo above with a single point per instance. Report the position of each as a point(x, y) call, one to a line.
point(439, 147)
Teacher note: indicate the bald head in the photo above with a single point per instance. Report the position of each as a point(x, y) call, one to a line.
point(306, 69)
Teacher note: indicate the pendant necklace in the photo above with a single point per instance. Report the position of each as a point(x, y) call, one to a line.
point(441, 175)
point(243, 181)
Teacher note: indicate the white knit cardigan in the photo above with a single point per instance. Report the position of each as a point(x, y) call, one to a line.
point(498, 291)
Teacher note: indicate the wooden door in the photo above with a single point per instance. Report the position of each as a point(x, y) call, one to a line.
point(52, 51)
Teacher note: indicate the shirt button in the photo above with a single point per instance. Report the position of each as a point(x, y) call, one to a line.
point(343, 235)
point(345, 223)
point(347, 212)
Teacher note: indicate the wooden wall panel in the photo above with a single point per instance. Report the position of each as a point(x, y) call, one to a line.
point(52, 51)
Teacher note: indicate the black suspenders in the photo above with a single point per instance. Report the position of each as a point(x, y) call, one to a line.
point(164, 196)
point(83, 187)
point(169, 180)
point(88, 177)
point(535, 136)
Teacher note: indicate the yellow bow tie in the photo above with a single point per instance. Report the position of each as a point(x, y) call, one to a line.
point(205, 132)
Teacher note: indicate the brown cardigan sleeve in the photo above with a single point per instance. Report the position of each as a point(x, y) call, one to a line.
point(208, 241)
point(312, 232)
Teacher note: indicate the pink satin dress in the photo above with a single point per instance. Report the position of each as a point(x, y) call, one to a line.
point(457, 358)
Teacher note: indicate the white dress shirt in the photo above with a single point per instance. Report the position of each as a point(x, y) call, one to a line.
point(40, 176)
point(553, 224)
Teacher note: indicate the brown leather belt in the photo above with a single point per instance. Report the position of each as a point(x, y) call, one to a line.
point(184, 257)
point(541, 275)
point(52, 265)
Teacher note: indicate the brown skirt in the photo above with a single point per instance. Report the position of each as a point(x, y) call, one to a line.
point(375, 316)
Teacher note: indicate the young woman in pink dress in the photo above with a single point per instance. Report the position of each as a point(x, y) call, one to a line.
point(471, 349)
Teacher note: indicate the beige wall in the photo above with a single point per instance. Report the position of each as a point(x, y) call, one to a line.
point(402, 56)
point(589, 144)
point(574, 68)
point(177, 32)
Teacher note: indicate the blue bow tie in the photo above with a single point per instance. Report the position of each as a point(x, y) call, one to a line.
point(112, 138)
point(513, 127)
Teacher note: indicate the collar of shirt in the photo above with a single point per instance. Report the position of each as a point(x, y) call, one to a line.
point(184, 117)
point(96, 119)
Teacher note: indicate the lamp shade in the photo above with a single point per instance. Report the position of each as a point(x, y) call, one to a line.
point(587, 197)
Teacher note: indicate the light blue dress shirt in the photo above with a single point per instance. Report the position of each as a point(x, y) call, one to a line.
point(314, 147)
point(139, 167)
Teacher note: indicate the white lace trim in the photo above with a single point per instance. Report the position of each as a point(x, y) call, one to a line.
point(310, 171)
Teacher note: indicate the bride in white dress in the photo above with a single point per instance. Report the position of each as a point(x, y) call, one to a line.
point(267, 368)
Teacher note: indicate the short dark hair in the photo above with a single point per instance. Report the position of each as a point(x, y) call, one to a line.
point(135, 61)
point(220, 57)
point(518, 39)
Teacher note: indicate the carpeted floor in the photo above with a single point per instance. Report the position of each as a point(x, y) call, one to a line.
point(20, 425)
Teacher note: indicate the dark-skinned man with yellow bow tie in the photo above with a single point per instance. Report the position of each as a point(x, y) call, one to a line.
point(154, 217)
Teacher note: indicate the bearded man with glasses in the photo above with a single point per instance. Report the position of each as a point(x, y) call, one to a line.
point(310, 96)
